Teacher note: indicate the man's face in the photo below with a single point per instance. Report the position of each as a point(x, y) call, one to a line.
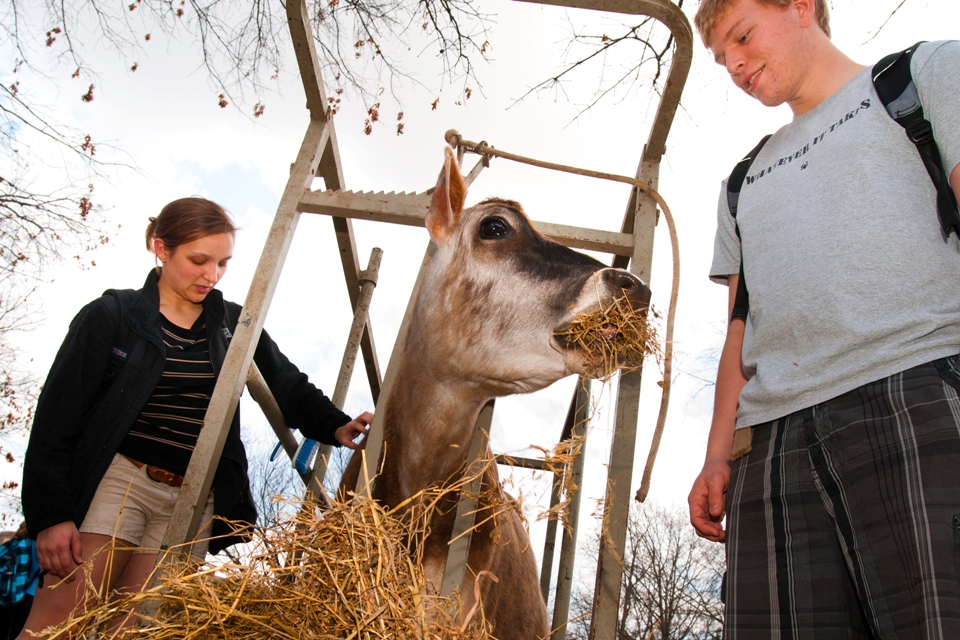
point(760, 46)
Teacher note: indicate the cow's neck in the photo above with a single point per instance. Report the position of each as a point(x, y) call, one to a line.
point(428, 428)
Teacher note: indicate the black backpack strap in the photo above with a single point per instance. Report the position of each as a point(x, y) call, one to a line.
point(898, 93)
point(741, 304)
point(737, 177)
point(124, 341)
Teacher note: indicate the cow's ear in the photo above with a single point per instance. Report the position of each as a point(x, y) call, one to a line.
point(448, 197)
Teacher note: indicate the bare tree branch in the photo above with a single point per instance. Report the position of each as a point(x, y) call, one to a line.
point(885, 22)
point(671, 581)
point(48, 169)
point(618, 67)
point(242, 42)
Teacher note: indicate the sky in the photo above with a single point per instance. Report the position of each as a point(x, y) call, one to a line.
point(165, 118)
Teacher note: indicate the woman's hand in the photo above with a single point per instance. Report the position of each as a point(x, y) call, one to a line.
point(58, 549)
point(358, 426)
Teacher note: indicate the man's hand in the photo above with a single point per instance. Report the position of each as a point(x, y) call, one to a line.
point(58, 549)
point(708, 500)
point(359, 425)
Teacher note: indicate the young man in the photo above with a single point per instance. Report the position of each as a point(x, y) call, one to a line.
point(843, 518)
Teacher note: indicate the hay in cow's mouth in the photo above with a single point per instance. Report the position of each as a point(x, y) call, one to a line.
point(616, 336)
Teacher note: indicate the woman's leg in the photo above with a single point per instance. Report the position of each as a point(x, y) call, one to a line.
point(141, 564)
point(134, 577)
point(54, 602)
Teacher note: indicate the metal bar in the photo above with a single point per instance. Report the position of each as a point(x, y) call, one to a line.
point(410, 209)
point(640, 219)
point(616, 510)
point(198, 479)
point(271, 410)
point(375, 436)
point(606, 602)
point(549, 545)
point(642, 232)
point(400, 208)
point(521, 463)
point(482, 163)
point(331, 170)
point(268, 404)
point(672, 16)
point(568, 540)
point(550, 542)
point(298, 21)
point(455, 568)
point(346, 242)
point(368, 280)
point(343, 228)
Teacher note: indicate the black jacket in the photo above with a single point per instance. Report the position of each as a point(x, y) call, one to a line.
point(83, 415)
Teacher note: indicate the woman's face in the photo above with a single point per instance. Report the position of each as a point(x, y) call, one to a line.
point(194, 268)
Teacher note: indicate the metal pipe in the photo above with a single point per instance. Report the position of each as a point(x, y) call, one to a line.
point(375, 436)
point(568, 541)
point(463, 526)
point(368, 281)
point(271, 410)
point(549, 545)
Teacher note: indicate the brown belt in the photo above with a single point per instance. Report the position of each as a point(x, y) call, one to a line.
point(160, 475)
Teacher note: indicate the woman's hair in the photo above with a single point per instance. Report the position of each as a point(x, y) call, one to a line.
point(186, 220)
point(711, 12)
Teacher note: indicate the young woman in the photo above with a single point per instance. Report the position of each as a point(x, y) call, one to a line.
point(123, 405)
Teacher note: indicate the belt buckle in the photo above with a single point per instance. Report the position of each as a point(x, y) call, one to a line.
point(166, 477)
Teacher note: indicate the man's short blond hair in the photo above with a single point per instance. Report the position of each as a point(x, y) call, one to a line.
point(711, 11)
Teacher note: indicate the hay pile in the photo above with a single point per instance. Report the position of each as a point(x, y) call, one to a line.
point(617, 336)
point(348, 573)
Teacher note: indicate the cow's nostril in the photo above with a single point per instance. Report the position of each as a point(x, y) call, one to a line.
point(620, 279)
point(627, 285)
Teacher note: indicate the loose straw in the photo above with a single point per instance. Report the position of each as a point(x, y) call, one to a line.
point(482, 148)
point(353, 571)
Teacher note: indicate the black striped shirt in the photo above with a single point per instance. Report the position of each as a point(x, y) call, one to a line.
point(166, 431)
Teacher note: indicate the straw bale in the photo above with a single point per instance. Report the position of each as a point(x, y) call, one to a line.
point(350, 571)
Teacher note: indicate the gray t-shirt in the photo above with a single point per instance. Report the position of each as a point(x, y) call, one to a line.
point(850, 280)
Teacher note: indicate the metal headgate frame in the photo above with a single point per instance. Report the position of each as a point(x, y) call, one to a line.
point(319, 157)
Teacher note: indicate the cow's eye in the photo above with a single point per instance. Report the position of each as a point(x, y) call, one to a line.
point(495, 227)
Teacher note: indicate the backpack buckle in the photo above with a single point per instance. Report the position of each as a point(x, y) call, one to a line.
point(920, 132)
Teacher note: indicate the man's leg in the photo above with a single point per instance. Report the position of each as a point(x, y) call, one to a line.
point(888, 459)
point(786, 576)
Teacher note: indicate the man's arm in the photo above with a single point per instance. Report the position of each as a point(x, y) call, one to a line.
point(707, 499)
point(955, 181)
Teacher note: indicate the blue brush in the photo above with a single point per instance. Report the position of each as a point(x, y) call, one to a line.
point(302, 460)
point(276, 450)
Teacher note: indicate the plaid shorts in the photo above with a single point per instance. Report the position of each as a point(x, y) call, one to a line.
point(844, 519)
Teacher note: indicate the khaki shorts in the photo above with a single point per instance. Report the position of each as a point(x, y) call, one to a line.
point(134, 507)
